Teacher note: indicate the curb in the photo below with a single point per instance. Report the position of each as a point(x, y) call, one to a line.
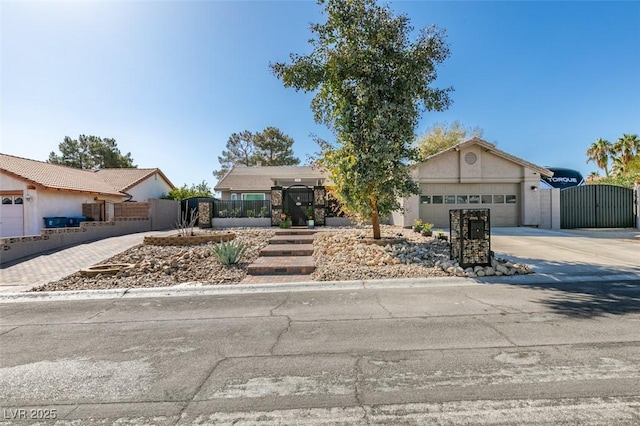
point(196, 289)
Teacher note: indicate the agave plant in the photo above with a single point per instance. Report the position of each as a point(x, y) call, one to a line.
point(229, 252)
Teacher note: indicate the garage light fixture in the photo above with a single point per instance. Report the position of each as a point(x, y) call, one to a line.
point(534, 188)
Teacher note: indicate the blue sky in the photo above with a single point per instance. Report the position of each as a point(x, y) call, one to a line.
point(171, 80)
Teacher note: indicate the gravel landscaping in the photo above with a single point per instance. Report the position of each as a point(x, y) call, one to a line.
point(340, 254)
point(164, 266)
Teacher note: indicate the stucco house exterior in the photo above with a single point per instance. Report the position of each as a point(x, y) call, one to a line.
point(254, 183)
point(476, 174)
point(471, 174)
point(31, 190)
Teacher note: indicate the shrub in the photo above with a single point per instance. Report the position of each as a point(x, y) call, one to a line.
point(263, 211)
point(427, 226)
point(250, 213)
point(229, 252)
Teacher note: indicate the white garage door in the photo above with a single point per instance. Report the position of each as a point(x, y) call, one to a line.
point(503, 200)
point(11, 216)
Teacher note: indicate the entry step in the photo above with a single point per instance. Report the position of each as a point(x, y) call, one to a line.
point(287, 250)
point(293, 231)
point(283, 265)
point(291, 239)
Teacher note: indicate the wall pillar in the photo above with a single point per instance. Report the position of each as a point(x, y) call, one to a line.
point(276, 204)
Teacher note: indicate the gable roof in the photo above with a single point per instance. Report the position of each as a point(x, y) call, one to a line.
point(492, 148)
point(55, 176)
point(261, 178)
point(125, 179)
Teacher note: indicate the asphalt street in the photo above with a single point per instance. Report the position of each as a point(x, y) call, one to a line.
point(430, 352)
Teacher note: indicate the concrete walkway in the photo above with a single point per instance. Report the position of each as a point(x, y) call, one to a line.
point(59, 264)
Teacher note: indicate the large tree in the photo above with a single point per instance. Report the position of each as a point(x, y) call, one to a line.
point(599, 153)
point(240, 150)
point(90, 153)
point(274, 148)
point(627, 147)
point(625, 160)
point(271, 147)
point(441, 136)
point(371, 82)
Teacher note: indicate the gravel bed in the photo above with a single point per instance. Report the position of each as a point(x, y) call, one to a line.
point(340, 254)
point(164, 266)
point(344, 255)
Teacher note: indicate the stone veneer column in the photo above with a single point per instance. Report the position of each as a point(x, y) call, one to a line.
point(276, 204)
point(468, 246)
point(319, 205)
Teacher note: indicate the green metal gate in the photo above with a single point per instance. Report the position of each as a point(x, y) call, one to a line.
point(597, 206)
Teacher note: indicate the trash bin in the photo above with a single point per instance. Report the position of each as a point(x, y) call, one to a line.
point(55, 222)
point(74, 221)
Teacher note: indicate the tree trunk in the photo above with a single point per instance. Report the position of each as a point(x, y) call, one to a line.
point(375, 219)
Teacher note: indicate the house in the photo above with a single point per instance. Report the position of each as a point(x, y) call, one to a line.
point(32, 190)
point(476, 174)
point(254, 183)
point(471, 174)
point(298, 184)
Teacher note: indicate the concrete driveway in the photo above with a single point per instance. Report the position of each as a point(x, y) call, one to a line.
point(570, 252)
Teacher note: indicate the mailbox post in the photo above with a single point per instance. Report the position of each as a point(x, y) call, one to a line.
point(470, 237)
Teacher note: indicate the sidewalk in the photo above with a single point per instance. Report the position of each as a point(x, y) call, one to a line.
point(59, 264)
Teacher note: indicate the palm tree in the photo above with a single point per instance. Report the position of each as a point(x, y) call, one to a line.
point(619, 167)
point(593, 177)
point(599, 152)
point(627, 147)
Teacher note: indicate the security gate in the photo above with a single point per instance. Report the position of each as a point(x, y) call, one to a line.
point(597, 206)
point(297, 200)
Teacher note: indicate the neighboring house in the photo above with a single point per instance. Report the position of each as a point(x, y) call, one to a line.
point(476, 174)
point(254, 183)
point(32, 190)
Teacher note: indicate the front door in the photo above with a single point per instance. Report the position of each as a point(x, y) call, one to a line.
point(297, 199)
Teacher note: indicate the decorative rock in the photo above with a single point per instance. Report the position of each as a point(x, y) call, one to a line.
point(195, 265)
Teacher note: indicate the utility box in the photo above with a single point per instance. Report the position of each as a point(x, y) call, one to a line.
point(470, 233)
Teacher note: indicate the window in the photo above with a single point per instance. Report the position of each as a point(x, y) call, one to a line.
point(487, 199)
point(7, 200)
point(474, 199)
point(449, 199)
point(18, 200)
point(253, 197)
point(511, 199)
point(498, 199)
point(234, 197)
point(462, 199)
point(425, 199)
point(437, 199)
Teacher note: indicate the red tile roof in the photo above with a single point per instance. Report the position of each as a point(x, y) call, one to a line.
point(54, 176)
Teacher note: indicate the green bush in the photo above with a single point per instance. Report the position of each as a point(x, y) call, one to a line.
point(229, 252)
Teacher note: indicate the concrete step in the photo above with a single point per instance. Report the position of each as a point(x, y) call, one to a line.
point(284, 265)
point(295, 231)
point(291, 239)
point(287, 250)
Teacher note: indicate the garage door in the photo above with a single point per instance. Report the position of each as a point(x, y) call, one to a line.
point(11, 216)
point(502, 199)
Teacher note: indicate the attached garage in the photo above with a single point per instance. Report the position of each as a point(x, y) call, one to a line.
point(11, 214)
point(475, 174)
point(502, 199)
